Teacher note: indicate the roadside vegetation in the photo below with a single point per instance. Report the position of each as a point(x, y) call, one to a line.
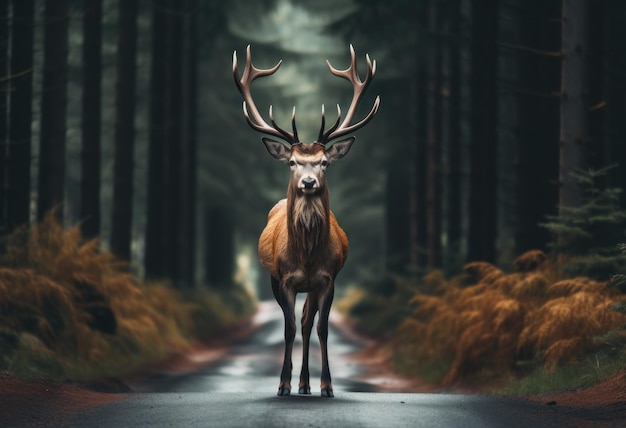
point(71, 311)
point(528, 331)
point(550, 321)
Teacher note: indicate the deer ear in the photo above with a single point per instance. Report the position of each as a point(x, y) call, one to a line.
point(339, 149)
point(277, 150)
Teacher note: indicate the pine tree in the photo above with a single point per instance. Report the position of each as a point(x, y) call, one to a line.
point(585, 238)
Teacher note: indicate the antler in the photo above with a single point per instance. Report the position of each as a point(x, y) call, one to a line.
point(254, 118)
point(351, 74)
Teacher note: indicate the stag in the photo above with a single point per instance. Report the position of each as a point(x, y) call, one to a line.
point(302, 246)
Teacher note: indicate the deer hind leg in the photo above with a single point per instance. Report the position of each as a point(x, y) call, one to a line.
point(287, 299)
point(308, 316)
point(325, 301)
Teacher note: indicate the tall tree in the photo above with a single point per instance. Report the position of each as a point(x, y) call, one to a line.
point(539, 76)
point(405, 202)
point(483, 137)
point(614, 92)
point(51, 189)
point(400, 206)
point(170, 234)
point(596, 147)
point(405, 193)
point(434, 140)
point(187, 208)
point(606, 98)
point(173, 149)
point(220, 246)
point(154, 262)
point(452, 119)
point(91, 124)
point(574, 103)
point(121, 224)
point(4, 86)
point(18, 183)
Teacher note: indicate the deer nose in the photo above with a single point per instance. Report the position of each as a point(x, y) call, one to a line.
point(308, 182)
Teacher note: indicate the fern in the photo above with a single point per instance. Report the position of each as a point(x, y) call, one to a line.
point(71, 311)
point(502, 322)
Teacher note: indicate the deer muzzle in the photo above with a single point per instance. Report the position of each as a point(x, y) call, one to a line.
point(308, 184)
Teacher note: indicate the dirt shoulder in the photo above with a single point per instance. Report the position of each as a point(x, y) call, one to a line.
point(35, 402)
point(603, 404)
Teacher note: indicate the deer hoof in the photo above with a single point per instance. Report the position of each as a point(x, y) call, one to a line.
point(304, 390)
point(327, 392)
point(283, 391)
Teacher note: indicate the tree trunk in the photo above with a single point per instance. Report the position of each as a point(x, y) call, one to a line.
point(596, 145)
point(538, 118)
point(53, 109)
point(18, 184)
point(420, 140)
point(91, 125)
point(154, 262)
point(121, 224)
point(4, 91)
point(615, 93)
point(483, 136)
point(163, 234)
point(220, 247)
point(398, 207)
point(173, 151)
point(434, 140)
point(453, 144)
point(186, 242)
point(574, 104)
point(405, 193)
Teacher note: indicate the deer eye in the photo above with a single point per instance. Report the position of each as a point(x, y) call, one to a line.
point(292, 163)
point(324, 163)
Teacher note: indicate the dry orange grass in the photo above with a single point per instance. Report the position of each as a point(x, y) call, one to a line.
point(501, 319)
point(79, 310)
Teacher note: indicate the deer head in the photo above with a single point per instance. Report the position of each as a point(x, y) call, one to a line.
point(307, 162)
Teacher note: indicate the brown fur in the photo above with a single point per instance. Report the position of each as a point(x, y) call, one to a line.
point(302, 231)
point(303, 248)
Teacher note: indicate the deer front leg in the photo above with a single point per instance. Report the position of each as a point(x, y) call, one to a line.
point(308, 315)
point(287, 303)
point(325, 301)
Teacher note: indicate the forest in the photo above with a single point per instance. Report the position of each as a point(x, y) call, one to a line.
point(484, 202)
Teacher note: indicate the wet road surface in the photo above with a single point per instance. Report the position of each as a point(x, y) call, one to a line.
point(240, 391)
point(254, 363)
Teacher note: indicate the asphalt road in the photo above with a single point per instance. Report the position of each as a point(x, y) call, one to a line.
point(240, 391)
point(254, 363)
point(348, 409)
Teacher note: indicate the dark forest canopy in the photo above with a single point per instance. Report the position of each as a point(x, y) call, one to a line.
point(125, 112)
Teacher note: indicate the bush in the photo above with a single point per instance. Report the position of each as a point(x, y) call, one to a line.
point(502, 322)
point(70, 311)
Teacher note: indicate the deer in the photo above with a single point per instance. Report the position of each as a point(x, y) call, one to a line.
point(302, 247)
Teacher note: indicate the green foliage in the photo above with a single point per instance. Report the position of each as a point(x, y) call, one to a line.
point(619, 307)
point(619, 280)
point(607, 359)
point(585, 238)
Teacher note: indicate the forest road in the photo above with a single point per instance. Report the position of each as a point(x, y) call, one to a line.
point(240, 391)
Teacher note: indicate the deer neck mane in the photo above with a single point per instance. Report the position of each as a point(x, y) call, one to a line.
point(308, 223)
